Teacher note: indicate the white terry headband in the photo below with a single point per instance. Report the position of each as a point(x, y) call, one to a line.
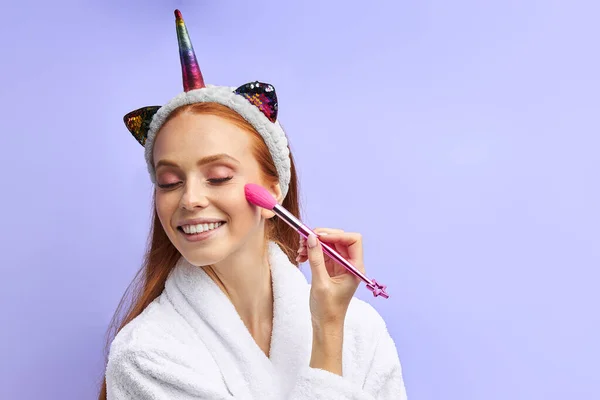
point(256, 102)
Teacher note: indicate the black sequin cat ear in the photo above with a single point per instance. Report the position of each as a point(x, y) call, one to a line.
point(138, 122)
point(262, 95)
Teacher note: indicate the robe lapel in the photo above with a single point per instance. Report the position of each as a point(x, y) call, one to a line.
point(292, 331)
point(248, 373)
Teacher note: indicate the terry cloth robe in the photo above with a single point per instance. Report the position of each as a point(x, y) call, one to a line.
point(190, 343)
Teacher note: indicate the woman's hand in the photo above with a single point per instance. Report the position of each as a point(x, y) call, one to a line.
point(332, 284)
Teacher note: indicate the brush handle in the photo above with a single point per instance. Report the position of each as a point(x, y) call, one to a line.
point(304, 231)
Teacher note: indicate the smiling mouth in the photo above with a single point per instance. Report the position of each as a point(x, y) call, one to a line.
point(199, 228)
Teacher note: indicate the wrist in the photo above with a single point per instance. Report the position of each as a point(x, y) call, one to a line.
point(327, 348)
point(328, 326)
point(329, 341)
point(327, 356)
point(328, 333)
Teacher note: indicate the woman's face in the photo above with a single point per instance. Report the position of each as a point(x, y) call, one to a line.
point(202, 163)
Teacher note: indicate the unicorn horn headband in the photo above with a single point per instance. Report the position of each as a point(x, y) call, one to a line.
point(255, 101)
point(190, 70)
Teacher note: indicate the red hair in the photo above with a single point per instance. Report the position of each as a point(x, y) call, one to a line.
point(161, 255)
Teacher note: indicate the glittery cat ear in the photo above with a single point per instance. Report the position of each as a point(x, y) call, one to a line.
point(138, 122)
point(263, 96)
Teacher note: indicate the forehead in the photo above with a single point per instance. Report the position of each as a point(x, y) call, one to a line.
point(199, 135)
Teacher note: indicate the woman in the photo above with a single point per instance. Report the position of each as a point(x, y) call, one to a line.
point(222, 311)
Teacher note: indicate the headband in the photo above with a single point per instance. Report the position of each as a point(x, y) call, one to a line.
point(256, 102)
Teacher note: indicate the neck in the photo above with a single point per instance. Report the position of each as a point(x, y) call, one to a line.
point(245, 278)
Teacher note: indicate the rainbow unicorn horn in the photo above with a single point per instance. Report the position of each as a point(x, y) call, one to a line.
point(190, 70)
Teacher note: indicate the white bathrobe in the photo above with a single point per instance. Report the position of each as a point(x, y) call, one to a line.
point(190, 343)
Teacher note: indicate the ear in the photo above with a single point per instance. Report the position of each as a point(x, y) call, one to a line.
point(138, 122)
point(262, 95)
point(275, 190)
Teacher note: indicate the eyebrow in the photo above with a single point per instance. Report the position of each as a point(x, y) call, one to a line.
point(203, 161)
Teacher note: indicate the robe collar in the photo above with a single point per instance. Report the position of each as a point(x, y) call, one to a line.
point(247, 371)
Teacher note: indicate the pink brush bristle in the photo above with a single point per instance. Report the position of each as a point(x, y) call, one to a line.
point(259, 196)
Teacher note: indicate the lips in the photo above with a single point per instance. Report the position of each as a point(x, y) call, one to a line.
point(190, 229)
point(197, 221)
point(199, 236)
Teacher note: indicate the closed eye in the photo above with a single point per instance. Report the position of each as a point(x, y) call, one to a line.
point(168, 186)
point(220, 180)
point(215, 181)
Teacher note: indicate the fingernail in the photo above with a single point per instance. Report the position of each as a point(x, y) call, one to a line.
point(323, 234)
point(312, 241)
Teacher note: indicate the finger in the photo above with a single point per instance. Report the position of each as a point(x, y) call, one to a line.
point(316, 259)
point(320, 232)
point(302, 250)
point(347, 244)
point(301, 243)
point(326, 231)
point(302, 254)
point(323, 233)
point(343, 237)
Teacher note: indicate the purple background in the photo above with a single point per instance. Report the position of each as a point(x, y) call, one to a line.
point(461, 139)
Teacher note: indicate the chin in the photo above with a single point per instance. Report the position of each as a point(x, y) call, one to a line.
point(201, 255)
point(204, 252)
point(209, 249)
point(201, 249)
point(203, 258)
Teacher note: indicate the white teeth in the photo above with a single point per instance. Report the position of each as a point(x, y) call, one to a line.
point(192, 229)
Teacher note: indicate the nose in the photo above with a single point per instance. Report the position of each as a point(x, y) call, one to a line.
point(193, 197)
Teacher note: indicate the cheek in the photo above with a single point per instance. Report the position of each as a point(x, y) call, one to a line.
point(241, 212)
point(166, 205)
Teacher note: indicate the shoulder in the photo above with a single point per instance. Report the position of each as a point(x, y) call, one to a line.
point(363, 319)
point(364, 329)
point(158, 355)
point(156, 323)
point(158, 334)
point(371, 354)
point(368, 347)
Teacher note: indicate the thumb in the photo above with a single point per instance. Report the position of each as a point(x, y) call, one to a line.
point(316, 258)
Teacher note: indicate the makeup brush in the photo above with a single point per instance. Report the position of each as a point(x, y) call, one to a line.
point(259, 196)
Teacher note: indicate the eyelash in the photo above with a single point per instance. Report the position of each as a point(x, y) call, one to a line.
point(213, 181)
point(220, 180)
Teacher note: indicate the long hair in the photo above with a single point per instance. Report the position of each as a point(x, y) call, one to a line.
point(161, 255)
